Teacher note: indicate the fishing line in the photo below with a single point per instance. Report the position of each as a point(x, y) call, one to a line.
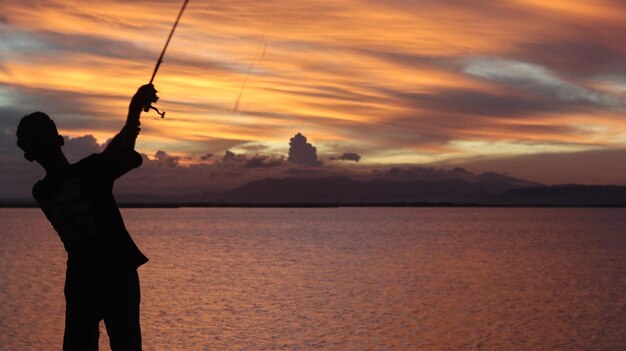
point(252, 65)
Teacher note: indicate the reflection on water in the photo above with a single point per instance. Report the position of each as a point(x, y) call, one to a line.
point(343, 279)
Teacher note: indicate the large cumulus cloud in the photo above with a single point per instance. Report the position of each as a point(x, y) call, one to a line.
point(301, 152)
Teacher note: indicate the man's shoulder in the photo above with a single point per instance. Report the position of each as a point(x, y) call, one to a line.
point(79, 169)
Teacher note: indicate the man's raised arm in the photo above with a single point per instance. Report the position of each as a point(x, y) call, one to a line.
point(124, 141)
point(121, 152)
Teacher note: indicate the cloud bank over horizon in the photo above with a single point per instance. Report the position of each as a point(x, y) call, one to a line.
point(165, 174)
point(532, 88)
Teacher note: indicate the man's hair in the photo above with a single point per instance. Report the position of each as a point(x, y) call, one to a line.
point(35, 129)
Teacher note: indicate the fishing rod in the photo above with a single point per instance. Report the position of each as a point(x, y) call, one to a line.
point(160, 60)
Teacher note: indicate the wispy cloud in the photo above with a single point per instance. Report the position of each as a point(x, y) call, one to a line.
point(540, 81)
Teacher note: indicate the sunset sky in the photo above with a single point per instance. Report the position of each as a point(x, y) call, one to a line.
point(536, 89)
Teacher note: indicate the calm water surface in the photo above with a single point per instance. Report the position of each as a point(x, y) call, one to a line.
point(343, 279)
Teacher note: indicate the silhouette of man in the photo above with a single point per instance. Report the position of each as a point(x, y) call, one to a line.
point(101, 279)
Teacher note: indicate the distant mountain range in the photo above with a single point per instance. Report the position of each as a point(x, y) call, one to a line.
point(417, 187)
point(565, 195)
point(484, 189)
point(349, 191)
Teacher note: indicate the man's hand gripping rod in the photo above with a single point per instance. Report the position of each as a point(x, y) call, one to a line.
point(154, 98)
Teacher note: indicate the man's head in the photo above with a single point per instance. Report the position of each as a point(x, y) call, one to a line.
point(37, 135)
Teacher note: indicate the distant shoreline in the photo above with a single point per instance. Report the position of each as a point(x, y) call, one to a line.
point(328, 205)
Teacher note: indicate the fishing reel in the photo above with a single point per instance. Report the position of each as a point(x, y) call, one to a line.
point(152, 100)
point(145, 97)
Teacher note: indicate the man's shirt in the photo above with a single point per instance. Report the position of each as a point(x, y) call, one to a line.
point(78, 201)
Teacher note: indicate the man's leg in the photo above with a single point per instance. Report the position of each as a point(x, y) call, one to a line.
point(121, 312)
point(81, 322)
